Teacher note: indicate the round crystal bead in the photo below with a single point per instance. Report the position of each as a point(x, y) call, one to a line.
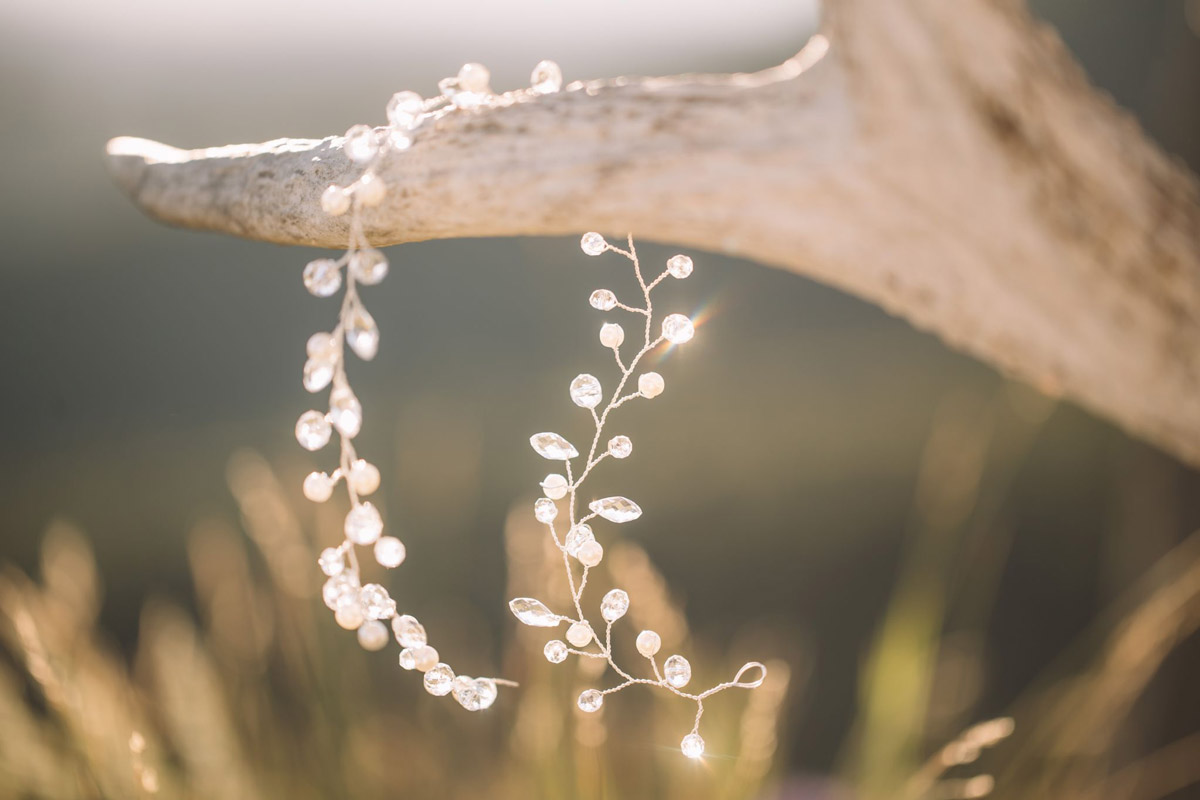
point(363, 524)
point(369, 266)
point(335, 201)
point(603, 299)
point(545, 510)
point(318, 487)
point(360, 144)
point(590, 700)
point(466, 692)
point(677, 671)
point(339, 586)
point(586, 391)
point(322, 277)
point(591, 554)
point(546, 78)
point(345, 412)
point(679, 266)
point(322, 346)
point(364, 476)
point(376, 601)
point(407, 659)
point(439, 680)
point(313, 430)
point(611, 334)
point(650, 384)
point(579, 634)
point(409, 632)
point(318, 372)
point(577, 537)
point(677, 329)
point(373, 635)
point(389, 552)
point(555, 486)
point(331, 561)
point(404, 109)
point(648, 643)
point(555, 651)
point(593, 243)
point(614, 605)
point(486, 692)
point(362, 334)
point(692, 745)
point(620, 446)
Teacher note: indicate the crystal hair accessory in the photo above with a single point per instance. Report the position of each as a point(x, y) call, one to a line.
point(580, 549)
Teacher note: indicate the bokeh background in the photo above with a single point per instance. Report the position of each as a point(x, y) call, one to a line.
point(917, 543)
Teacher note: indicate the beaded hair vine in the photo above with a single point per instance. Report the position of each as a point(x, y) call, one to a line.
point(365, 608)
point(579, 544)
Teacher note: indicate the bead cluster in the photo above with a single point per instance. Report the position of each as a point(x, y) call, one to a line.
point(579, 544)
point(367, 608)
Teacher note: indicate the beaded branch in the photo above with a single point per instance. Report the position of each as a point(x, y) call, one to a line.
point(579, 543)
point(358, 607)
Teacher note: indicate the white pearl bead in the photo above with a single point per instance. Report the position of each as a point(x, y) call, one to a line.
point(389, 552)
point(650, 384)
point(363, 524)
point(349, 614)
point(579, 634)
point(474, 77)
point(546, 78)
point(360, 145)
point(318, 487)
point(591, 554)
point(555, 486)
point(370, 190)
point(335, 201)
point(373, 635)
point(611, 334)
point(364, 477)
point(648, 643)
point(404, 109)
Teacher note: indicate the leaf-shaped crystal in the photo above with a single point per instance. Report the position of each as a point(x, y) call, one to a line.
point(534, 613)
point(362, 334)
point(552, 446)
point(616, 509)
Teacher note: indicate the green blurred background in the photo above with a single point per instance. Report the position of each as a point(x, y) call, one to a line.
point(817, 473)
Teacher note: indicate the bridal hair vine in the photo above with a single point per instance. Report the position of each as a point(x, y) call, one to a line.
point(578, 543)
point(364, 608)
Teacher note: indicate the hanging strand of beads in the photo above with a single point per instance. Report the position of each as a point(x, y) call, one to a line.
point(579, 545)
point(366, 608)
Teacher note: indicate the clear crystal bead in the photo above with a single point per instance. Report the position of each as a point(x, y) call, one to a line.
point(611, 334)
point(408, 659)
point(620, 447)
point(313, 430)
point(404, 109)
point(616, 509)
point(362, 334)
point(555, 651)
point(322, 277)
point(474, 77)
point(466, 693)
point(577, 537)
point(370, 190)
point(399, 139)
point(679, 266)
point(593, 243)
point(603, 300)
point(335, 201)
point(555, 486)
point(376, 601)
point(340, 585)
point(552, 446)
point(648, 643)
point(364, 476)
point(426, 658)
point(590, 700)
point(650, 384)
point(360, 144)
point(614, 605)
point(591, 554)
point(586, 391)
point(692, 745)
point(579, 634)
point(439, 680)
point(318, 487)
point(323, 346)
point(533, 612)
point(409, 632)
point(486, 692)
point(317, 374)
point(545, 510)
point(677, 329)
point(363, 524)
point(373, 635)
point(389, 552)
point(345, 412)
point(546, 78)
point(331, 561)
point(369, 266)
point(677, 671)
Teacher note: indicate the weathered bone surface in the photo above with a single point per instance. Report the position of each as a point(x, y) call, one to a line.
point(945, 160)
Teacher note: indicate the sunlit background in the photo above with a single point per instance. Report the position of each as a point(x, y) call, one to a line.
point(916, 544)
